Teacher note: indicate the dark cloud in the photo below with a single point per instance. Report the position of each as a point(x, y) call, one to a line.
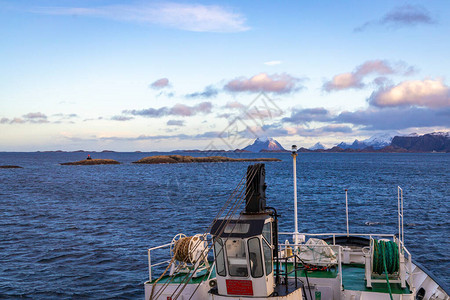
point(121, 118)
point(303, 116)
point(276, 83)
point(402, 16)
point(407, 15)
point(32, 117)
point(35, 117)
point(388, 118)
point(396, 118)
point(337, 128)
point(149, 112)
point(160, 84)
point(208, 92)
point(175, 123)
point(177, 110)
point(65, 116)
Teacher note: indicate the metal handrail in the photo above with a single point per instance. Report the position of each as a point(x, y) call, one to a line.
point(411, 274)
point(286, 273)
point(150, 259)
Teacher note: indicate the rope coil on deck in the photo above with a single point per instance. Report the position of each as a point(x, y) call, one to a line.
point(386, 258)
point(182, 251)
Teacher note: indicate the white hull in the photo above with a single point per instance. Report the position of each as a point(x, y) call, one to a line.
point(328, 289)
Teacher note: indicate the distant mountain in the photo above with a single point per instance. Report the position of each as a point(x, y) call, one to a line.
point(436, 141)
point(317, 146)
point(378, 141)
point(356, 145)
point(264, 145)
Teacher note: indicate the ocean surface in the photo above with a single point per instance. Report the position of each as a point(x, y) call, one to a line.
point(83, 231)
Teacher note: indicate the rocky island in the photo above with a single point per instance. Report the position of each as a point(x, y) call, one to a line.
point(87, 162)
point(173, 159)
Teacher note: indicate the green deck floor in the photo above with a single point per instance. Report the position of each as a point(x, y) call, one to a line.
point(353, 278)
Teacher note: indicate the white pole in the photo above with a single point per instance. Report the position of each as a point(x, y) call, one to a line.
point(346, 210)
point(294, 156)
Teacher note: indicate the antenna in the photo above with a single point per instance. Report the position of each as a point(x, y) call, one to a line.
point(294, 156)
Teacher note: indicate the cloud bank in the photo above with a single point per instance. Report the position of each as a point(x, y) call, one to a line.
point(176, 110)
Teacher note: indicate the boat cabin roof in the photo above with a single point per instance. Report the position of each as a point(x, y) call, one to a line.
point(245, 226)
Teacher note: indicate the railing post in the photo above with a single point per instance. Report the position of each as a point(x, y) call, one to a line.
point(346, 210)
point(295, 269)
point(286, 274)
point(340, 267)
point(149, 265)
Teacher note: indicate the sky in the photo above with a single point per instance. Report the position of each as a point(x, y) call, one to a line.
point(157, 76)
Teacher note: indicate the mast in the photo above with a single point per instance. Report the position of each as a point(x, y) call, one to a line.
point(294, 156)
point(346, 210)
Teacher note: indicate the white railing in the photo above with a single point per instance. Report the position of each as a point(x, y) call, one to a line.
point(156, 264)
point(408, 259)
point(408, 265)
point(400, 214)
point(334, 234)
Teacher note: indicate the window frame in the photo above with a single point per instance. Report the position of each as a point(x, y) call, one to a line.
point(260, 256)
point(219, 241)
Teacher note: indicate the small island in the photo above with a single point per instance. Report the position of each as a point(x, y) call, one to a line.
point(10, 167)
point(88, 162)
point(174, 159)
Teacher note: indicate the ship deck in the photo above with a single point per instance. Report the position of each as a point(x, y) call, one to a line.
point(353, 278)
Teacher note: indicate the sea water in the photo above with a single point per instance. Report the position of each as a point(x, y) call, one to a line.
point(84, 231)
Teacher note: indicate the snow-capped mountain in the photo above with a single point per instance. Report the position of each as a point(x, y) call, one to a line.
point(377, 141)
point(317, 146)
point(264, 144)
point(444, 134)
point(355, 145)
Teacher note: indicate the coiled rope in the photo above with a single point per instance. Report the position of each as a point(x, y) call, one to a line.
point(181, 249)
point(386, 259)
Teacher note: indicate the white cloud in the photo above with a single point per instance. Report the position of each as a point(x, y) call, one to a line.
point(276, 83)
point(355, 79)
point(190, 17)
point(428, 93)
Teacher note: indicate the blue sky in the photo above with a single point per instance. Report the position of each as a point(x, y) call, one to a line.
point(145, 75)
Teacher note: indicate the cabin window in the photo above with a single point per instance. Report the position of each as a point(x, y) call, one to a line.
point(267, 257)
point(267, 232)
point(237, 258)
point(254, 255)
point(237, 228)
point(220, 257)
